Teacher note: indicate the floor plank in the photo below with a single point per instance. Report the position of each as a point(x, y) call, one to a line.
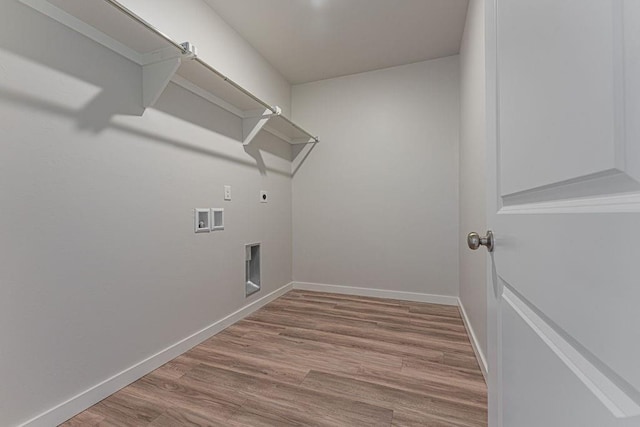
point(314, 358)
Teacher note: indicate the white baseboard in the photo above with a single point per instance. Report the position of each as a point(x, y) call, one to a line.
point(377, 293)
point(482, 361)
point(87, 398)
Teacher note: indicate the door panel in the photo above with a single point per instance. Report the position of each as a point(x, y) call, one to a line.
point(531, 366)
point(580, 270)
point(562, 124)
point(564, 130)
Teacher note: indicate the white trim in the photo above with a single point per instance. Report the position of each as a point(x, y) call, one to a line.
point(621, 203)
point(62, 412)
point(377, 293)
point(477, 349)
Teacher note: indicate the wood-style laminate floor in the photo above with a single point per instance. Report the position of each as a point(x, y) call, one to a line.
point(315, 359)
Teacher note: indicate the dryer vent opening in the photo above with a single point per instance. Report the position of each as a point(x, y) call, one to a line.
point(252, 269)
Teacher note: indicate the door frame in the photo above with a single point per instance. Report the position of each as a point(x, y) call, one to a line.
point(492, 205)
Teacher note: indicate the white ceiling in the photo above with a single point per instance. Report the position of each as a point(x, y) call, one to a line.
point(309, 40)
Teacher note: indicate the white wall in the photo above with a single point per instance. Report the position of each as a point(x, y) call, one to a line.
point(376, 202)
point(99, 264)
point(472, 172)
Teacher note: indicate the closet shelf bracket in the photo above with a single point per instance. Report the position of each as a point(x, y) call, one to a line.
point(253, 122)
point(159, 69)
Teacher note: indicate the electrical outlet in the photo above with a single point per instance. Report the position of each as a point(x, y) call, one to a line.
point(227, 192)
point(264, 197)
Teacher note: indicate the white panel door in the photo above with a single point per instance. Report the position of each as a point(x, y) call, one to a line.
point(563, 116)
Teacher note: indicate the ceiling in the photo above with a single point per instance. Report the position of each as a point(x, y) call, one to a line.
point(309, 40)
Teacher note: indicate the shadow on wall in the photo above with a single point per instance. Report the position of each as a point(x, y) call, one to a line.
point(53, 45)
point(300, 154)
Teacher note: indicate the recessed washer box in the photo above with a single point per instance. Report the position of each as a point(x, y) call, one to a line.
point(202, 220)
point(217, 219)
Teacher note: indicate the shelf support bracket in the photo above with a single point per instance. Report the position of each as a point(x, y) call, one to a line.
point(158, 70)
point(155, 78)
point(313, 140)
point(254, 121)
